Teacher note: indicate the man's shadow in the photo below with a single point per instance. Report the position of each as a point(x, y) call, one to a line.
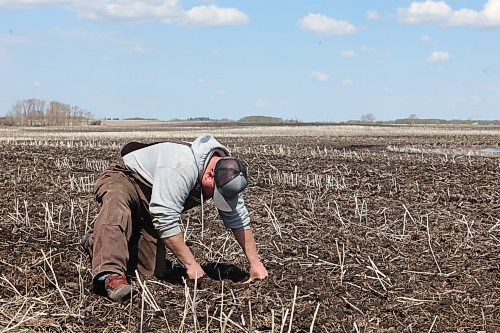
point(175, 273)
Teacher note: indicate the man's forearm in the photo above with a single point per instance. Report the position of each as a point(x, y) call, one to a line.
point(245, 238)
point(247, 243)
point(177, 245)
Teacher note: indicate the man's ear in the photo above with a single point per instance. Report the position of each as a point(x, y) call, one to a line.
point(209, 173)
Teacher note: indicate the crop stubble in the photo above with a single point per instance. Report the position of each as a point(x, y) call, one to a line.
point(369, 239)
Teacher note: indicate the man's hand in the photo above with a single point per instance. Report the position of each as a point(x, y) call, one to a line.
point(194, 271)
point(247, 243)
point(257, 272)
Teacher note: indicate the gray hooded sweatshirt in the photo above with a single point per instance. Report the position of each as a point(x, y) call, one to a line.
point(173, 170)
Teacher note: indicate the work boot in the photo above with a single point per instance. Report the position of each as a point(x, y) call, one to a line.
point(117, 287)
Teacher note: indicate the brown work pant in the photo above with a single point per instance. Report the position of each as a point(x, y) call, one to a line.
point(124, 238)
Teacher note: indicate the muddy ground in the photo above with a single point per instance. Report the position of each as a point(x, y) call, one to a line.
point(356, 238)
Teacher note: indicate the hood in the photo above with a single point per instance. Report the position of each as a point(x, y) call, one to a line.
point(203, 148)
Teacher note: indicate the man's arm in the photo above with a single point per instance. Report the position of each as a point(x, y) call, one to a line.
point(177, 245)
point(247, 242)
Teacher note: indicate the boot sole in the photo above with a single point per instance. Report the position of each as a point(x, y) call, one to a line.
point(120, 294)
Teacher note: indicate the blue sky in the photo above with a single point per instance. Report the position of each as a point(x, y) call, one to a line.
point(310, 60)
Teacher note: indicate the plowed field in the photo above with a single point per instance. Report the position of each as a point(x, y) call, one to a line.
point(359, 234)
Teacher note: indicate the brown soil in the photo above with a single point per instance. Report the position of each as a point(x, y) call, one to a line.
point(380, 241)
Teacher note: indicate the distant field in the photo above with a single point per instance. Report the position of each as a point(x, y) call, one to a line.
point(157, 130)
point(362, 229)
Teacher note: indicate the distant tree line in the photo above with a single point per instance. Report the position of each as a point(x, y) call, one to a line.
point(199, 119)
point(37, 112)
point(266, 120)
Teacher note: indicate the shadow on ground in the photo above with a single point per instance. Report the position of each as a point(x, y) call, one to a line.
point(175, 273)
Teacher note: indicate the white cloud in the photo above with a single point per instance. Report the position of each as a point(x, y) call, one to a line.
point(36, 83)
point(319, 76)
point(31, 3)
point(424, 12)
point(347, 82)
point(141, 10)
point(372, 15)
point(427, 39)
point(349, 54)
point(439, 12)
point(324, 25)
point(166, 11)
point(465, 17)
point(438, 56)
point(491, 11)
point(215, 16)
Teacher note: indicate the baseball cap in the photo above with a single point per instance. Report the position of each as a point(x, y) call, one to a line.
point(230, 180)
